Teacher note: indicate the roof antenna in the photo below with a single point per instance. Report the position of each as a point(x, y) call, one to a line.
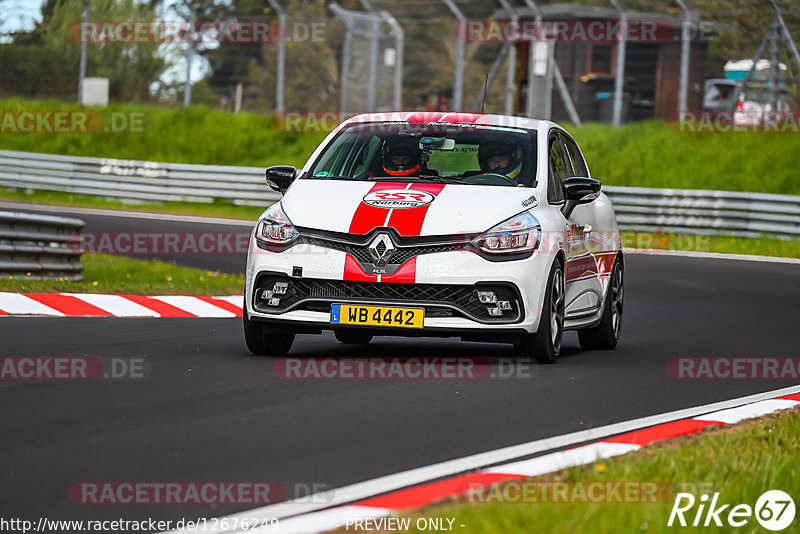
point(485, 90)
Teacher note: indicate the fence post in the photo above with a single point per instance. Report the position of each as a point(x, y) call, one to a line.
point(84, 52)
point(685, 44)
point(399, 43)
point(619, 78)
point(281, 82)
point(458, 74)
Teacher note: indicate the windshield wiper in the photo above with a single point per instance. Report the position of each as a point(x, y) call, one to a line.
point(435, 177)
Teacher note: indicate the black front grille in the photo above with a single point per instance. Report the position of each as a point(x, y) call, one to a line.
point(401, 254)
point(438, 299)
point(458, 295)
point(359, 252)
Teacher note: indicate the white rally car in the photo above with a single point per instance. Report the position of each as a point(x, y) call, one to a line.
point(484, 227)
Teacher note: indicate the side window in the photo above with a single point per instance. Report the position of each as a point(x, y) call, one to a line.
point(578, 163)
point(366, 158)
point(559, 170)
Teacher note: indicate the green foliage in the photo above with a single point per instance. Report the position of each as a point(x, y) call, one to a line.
point(649, 154)
point(113, 274)
point(643, 154)
point(45, 61)
point(193, 135)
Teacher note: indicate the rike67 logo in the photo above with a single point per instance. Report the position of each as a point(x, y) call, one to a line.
point(774, 510)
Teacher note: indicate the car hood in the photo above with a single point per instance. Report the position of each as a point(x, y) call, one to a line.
point(412, 209)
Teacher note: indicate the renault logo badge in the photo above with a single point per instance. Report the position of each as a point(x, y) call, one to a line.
point(381, 249)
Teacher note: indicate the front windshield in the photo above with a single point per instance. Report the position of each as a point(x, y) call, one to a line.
point(451, 153)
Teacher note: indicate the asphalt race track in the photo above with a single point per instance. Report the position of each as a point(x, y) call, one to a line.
point(211, 412)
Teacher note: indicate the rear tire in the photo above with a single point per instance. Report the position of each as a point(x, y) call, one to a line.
point(545, 345)
point(261, 343)
point(352, 337)
point(605, 335)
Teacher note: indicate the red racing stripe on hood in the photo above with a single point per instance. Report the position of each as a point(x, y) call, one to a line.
point(443, 116)
point(408, 222)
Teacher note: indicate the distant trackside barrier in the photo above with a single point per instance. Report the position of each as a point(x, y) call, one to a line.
point(640, 209)
point(40, 246)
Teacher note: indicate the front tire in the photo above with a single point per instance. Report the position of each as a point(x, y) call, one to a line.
point(545, 345)
point(605, 335)
point(261, 343)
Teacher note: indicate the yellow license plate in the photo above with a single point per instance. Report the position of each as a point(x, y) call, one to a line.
point(377, 316)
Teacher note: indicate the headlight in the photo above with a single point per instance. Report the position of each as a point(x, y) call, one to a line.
point(520, 233)
point(275, 228)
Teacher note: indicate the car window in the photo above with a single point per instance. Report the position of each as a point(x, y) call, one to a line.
point(559, 170)
point(461, 153)
point(578, 163)
point(718, 93)
point(347, 157)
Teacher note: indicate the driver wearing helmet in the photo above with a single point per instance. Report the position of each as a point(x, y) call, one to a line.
point(500, 157)
point(402, 156)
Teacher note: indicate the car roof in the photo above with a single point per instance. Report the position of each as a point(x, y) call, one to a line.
point(438, 117)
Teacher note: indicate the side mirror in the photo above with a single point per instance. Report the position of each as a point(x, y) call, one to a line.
point(579, 190)
point(280, 177)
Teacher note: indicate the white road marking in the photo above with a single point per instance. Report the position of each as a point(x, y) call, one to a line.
point(369, 488)
point(115, 305)
point(710, 255)
point(233, 299)
point(559, 460)
point(734, 415)
point(195, 306)
point(17, 304)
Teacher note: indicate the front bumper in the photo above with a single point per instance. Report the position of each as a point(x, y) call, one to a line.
point(445, 284)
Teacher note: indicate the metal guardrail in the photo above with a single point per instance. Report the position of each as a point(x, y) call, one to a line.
point(640, 209)
point(695, 211)
point(143, 181)
point(40, 246)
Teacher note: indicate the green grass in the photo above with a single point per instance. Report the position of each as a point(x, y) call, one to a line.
point(113, 274)
point(765, 246)
point(740, 462)
point(649, 154)
point(56, 198)
point(194, 135)
point(643, 154)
